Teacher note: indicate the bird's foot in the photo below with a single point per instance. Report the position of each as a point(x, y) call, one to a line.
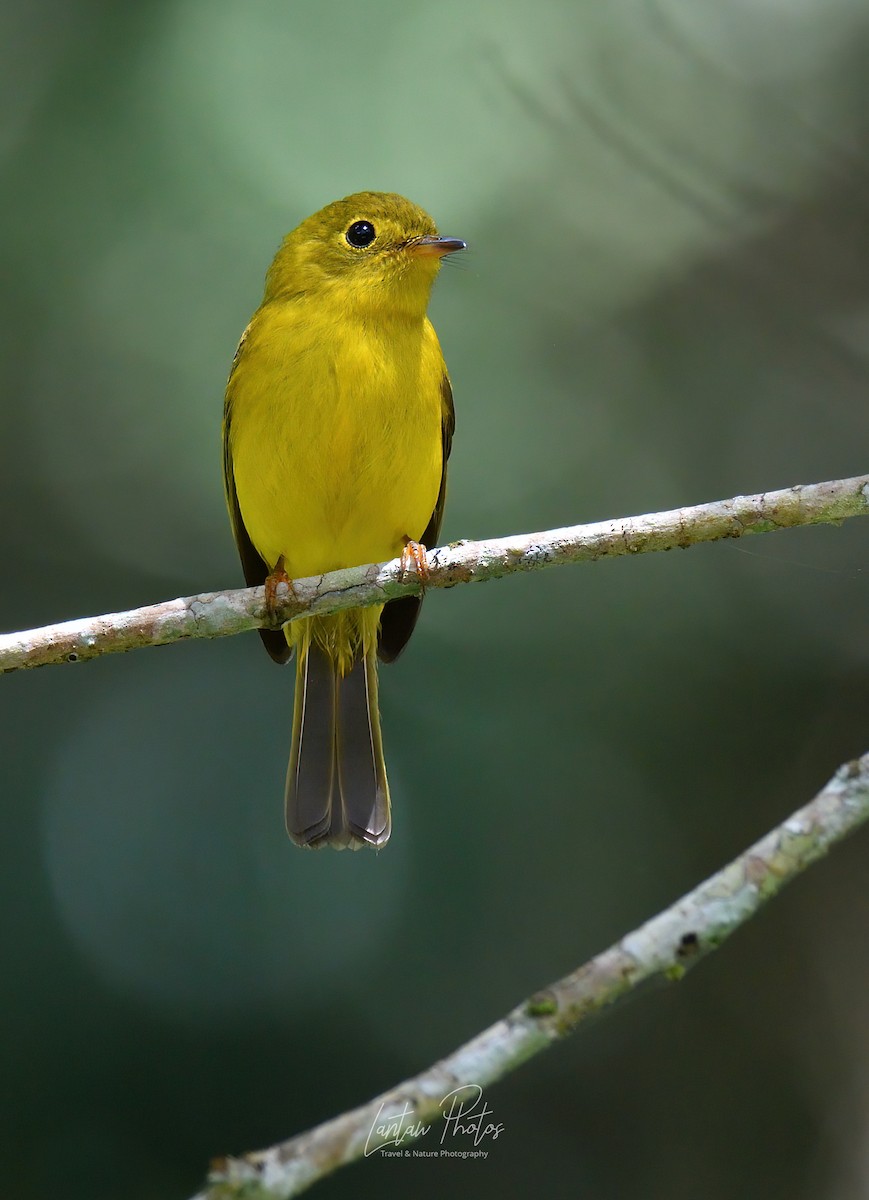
point(272, 582)
point(414, 554)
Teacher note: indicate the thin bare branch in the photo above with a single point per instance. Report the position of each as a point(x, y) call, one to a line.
point(217, 614)
point(666, 946)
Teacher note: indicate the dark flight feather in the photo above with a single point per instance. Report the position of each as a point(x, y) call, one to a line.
point(399, 617)
point(255, 568)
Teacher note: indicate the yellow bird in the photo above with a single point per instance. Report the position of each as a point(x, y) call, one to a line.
point(337, 427)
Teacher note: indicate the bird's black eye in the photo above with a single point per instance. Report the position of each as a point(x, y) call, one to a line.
point(360, 233)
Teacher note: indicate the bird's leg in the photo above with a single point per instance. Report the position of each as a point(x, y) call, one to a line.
point(414, 553)
point(272, 581)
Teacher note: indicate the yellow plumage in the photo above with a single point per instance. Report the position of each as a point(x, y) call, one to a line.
point(338, 422)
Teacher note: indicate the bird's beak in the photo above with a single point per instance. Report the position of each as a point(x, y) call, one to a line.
point(435, 247)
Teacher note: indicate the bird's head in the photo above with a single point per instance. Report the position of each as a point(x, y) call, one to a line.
point(369, 253)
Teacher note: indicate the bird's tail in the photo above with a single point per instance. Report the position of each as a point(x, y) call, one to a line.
point(336, 794)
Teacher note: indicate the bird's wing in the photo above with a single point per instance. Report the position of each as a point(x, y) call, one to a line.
point(400, 616)
point(254, 567)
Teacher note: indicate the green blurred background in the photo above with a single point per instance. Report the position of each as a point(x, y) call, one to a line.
point(666, 301)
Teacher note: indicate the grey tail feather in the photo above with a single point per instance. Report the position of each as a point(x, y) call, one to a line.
point(336, 793)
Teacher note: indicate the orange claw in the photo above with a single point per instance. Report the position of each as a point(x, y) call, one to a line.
point(415, 553)
point(272, 582)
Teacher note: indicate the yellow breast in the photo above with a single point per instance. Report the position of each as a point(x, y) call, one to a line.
point(335, 436)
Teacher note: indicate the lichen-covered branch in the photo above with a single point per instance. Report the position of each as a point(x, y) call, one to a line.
point(665, 946)
point(216, 614)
